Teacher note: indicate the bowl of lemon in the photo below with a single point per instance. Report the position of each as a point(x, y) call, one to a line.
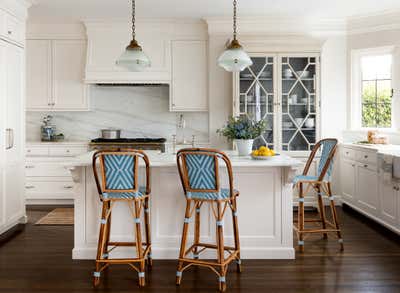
point(263, 153)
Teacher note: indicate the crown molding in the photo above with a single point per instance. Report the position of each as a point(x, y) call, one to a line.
point(381, 21)
point(260, 25)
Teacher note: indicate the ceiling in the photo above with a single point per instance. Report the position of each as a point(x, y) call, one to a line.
point(76, 10)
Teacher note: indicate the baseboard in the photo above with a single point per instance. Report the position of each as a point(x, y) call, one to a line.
point(172, 253)
point(11, 232)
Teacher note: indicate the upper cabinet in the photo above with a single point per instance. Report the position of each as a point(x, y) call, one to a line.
point(12, 29)
point(55, 70)
point(107, 41)
point(189, 76)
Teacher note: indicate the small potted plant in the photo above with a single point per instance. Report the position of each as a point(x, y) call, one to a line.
point(243, 130)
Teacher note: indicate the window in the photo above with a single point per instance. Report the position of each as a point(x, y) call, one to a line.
point(376, 91)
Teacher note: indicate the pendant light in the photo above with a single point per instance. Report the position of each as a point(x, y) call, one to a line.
point(234, 58)
point(133, 59)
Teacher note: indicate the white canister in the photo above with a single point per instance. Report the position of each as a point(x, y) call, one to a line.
point(244, 146)
point(310, 123)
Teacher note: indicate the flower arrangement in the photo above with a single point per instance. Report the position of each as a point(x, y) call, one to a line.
point(243, 128)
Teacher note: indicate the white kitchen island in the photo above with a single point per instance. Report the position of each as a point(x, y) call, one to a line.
point(264, 207)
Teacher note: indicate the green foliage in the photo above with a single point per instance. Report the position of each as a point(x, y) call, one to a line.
point(243, 128)
point(376, 104)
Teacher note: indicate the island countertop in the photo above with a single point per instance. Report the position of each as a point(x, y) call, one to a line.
point(169, 160)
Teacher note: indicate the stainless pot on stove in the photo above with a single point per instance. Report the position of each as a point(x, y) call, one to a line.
point(111, 133)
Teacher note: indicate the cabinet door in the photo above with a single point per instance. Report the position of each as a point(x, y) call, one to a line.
point(367, 188)
point(14, 116)
point(69, 91)
point(388, 202)
point(348, 180)
point(14, 199)
point(298, 101)
point(189, 91)
point(255, 89)
point(38, 75)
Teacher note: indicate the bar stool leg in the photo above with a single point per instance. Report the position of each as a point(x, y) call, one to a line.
point(147, 230)
point(335, 217)
point(108, 229)
point(139, 248)
point(183, 242)
point(321, 210)
point(196, 231)
point(220, 248)
point(236, 234)
point(301, 219)
point(100, 244)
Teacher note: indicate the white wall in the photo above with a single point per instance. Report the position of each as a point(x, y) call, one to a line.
point(333, 87)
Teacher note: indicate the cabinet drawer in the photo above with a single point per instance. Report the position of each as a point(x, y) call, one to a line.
point(46, 170)
point(37, 151)
point(367, 157)
point(349, 154)
point(14, 29)
point(67, 151)
point(49, 189)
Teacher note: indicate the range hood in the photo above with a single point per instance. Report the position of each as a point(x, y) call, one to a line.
point(107, 40)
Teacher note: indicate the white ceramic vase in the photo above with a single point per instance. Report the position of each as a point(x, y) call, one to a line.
point(244, 146)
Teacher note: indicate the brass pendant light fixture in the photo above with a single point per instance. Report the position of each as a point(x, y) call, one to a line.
point(133, 58)
point(234, 58)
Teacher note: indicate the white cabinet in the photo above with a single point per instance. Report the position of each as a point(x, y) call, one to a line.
point(348, 180)
point(389, 197)
point(189, 90)
point(55, 75)
point(367, 188)
point(283, 90)
point(47, 179)
point(12, 29)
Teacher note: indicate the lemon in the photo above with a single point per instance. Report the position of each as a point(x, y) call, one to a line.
point(255, 153)
point(263, 148)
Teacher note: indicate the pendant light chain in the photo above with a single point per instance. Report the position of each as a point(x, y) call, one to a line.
point(133, 19)
point(234, 19)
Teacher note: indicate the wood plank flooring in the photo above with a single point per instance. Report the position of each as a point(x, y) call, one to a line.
point(38, 259)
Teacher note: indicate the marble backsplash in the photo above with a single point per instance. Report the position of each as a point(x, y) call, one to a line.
point(137, 110)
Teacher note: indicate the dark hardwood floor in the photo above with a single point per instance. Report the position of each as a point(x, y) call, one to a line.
point(38, 259)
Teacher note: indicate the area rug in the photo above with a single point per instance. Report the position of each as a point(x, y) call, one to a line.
point(58, 216)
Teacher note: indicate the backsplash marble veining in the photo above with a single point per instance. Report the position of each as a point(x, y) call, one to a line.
point(137, 111)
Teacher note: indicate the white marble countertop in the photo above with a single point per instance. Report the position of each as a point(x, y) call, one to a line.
point(169, 160)
point(391, 149)
point(57, 143)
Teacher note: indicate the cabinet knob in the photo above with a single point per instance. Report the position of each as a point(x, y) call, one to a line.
point(366, 156)
point(365, 166)
point(29, 167)
point(9, 32)
point(67, 151)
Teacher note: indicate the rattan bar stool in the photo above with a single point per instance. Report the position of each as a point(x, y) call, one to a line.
point(119, 182)
point(199, 173)
point(322, 186)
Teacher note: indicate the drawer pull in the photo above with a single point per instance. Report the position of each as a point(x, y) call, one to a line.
point(28, 151)
point(67, 151)
point(29, 167)
point(10, 32)
point(68, 187)
point(29, 187)
point(366, 157)
point(347, 153)
point(365, 166)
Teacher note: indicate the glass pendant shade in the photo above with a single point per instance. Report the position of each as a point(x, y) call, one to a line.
point(234, 58)
point(133, 58)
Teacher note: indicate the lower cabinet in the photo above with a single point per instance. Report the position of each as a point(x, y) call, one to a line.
point(47, 180)
point(364, 188)
point(367, 188)
point(348, 180)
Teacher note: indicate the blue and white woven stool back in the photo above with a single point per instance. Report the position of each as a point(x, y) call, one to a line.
point(201, 171)
point(119, 172)
point(327, 146)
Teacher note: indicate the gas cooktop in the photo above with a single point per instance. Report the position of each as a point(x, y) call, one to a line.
point(129, 140)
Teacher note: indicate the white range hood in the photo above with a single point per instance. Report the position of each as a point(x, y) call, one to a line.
point(107, 40)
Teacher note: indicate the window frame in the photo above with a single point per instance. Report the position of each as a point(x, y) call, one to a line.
point(356, 86)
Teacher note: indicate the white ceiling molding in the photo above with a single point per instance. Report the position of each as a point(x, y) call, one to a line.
point(389, 20)
point(277, 25)
point(17, 7)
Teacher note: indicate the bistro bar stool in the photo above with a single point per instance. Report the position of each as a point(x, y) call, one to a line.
point(322, 186)
point(119, 182)
point(199, 173)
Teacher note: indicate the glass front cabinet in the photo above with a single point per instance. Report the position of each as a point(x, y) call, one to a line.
point(282, 89)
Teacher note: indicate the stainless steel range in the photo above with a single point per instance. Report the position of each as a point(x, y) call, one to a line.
point(134, 143)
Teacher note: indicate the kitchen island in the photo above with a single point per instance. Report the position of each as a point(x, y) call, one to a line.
point(264, 207)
